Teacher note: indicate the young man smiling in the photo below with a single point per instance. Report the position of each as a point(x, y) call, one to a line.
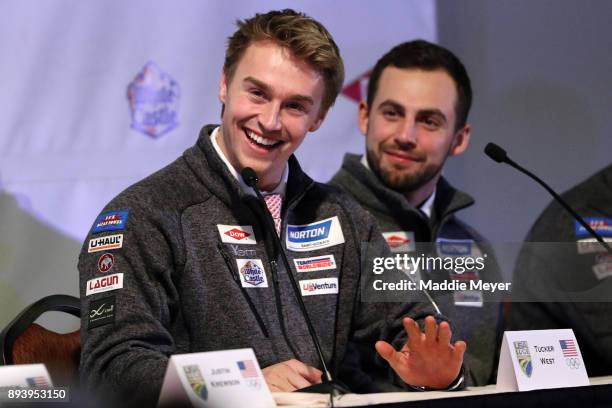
point(199, 271)
point(414, 118)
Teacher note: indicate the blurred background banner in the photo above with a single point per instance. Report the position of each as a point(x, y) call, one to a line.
point(97, 95)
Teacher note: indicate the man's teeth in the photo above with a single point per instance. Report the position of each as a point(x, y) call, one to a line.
point(261, 140)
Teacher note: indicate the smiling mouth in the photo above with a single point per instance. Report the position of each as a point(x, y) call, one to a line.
point(261, 141)
point(403, 156)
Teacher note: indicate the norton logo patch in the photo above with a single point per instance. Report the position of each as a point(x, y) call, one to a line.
point(237, 234)
point(320, 234)
point(101, 312)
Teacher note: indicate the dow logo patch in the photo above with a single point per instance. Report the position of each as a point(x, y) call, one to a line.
point(400, 241)
point(237, 234)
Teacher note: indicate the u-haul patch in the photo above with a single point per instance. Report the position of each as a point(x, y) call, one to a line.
point(105, 243)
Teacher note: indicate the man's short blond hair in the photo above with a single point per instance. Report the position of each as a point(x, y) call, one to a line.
point(303, 36)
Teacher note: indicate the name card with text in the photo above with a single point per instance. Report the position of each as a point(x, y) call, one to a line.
point(25, 375)
point(537, 359)
point(228, 378)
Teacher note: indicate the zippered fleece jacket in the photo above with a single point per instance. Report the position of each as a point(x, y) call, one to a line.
point(194, 269)
point(476, 317)
point(563, 276)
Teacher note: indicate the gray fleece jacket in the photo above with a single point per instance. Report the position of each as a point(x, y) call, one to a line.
point(188, 233)
point(478, 326)
point(567, 281)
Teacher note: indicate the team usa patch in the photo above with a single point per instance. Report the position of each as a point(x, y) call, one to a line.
point(101, 312)
point(317, 235)
point(106, 262)
point(105, 243)
point(110, 221)
point(323, 286)
point(521, 348)
point(237, 234)
point(601, 225)
point(104, 284)
point(316, 263)
point(400, 241)
point(252, 273)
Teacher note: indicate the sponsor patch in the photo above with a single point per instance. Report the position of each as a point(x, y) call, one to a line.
point(601, 225)
point(468, 298)
point(105, 243)
point(252, 273)
point(237, 234)
point(400, 241)
point(455, 247)
point(591, 245)
point(104, 284)
point(196, 381)
point(323, 286)
point(110, 221)
point(603, 266)
point(317, 263)
point(106, 262)
point(320, 234)
point(101, 312)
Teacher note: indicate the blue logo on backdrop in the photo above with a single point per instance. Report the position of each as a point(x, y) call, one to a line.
point(110, 221)
point(309, 233)
point(154, 98)
point(602, 226)
point(456, 248)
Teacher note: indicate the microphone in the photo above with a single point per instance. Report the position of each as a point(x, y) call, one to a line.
point(328, 386)
point(499, 155)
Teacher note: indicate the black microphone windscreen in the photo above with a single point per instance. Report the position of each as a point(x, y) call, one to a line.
point(249, 176)
point(495, 152)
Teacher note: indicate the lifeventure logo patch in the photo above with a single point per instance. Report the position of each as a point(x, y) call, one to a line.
point(237, 234)
point(317, 263)
point(323, 286)
point(104, 284)
point(601, 225)
point(110, 221)
point(400, 241)
point(320, 234)
point(105, 243)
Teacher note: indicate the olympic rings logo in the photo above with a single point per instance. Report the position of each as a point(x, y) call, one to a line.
point(573, 363)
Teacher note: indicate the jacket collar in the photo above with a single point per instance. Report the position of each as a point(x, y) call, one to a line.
point(366, 185)
point(214, 174)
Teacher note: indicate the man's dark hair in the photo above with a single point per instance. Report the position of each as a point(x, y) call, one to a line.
point(420, 54)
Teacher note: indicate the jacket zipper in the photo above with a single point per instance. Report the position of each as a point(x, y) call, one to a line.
point(236, 278)
point(279, 310)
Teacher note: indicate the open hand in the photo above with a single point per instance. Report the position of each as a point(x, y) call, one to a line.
point(427, 359)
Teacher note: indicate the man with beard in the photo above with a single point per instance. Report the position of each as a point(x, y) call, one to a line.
point(418, 100)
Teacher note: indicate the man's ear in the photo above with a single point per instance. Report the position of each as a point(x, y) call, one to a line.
point(223, 88)
point(362, 117)
point(461, 140)
point(319, 121)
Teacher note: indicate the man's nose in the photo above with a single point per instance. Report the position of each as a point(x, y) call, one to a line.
point(407, 134)
point(270, 117)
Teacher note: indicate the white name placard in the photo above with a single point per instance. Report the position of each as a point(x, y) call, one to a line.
point(228, 378)
point(537, 359)
point(25, 375)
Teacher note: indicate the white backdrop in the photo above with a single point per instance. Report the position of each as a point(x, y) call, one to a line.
point(68, 143)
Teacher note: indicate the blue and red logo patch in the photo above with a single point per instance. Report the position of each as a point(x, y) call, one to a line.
point(110, 221)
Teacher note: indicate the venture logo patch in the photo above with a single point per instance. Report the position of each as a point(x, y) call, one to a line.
point(324, 286)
